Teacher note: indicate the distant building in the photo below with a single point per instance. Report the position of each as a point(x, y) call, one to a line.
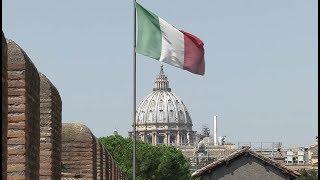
point(163, 118)
point(245, 164)
point(203, 154)
point(293, 158)
point(296, 156)
point(313, 154)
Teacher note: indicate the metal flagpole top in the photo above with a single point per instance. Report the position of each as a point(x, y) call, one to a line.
point(134, 94)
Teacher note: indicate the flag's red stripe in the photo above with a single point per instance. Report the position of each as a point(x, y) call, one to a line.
point(193, 54)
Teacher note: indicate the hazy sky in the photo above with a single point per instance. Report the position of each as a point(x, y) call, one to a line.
point(261, 62)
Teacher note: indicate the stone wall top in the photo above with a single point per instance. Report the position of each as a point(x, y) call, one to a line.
point(76, 132)
point(47, 84)
point(17, 56)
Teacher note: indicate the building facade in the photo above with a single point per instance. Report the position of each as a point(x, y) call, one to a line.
point(313, 154)
point(245, 164)
point(162, 117)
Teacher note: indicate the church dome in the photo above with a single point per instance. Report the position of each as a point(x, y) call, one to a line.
point(162, 106)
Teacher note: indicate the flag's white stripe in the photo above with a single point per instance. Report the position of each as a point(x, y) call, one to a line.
point(172, 51)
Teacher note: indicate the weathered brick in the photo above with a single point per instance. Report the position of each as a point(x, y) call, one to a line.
point(16, 117)
point(16, 75)
point(50, 130)
point(23, 115)
point(16, 66)
point(15, 177)
point(4, 100)
point(99, 150)
point(16, 91)
point(72, 157)
point(16, 126)
point(17, 159)
point(45, 154)
point(20, 108)
point(15, 168)
point(16, 133)
point(16, 83)
point(16, 100)
point(14, 141)
point(16, 151)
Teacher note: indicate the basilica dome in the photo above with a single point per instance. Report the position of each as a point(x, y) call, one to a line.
point(162, 106)
point(162, 117)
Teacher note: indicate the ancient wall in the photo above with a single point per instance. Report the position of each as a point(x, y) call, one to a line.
point(99, 159)
point(78, 150)
point(50, 130)
point(109, 166)
point(83, 156)
point(23, 115)
point(4, 100)
point(35, 144)
point(114, 169)
point(104, 163)
point(121, 176)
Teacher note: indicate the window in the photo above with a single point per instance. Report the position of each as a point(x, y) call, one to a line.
point(141, 117)
point(149, 138)
point(160, 139)
point(161, 116)
point(150, 119)
point(172, 139)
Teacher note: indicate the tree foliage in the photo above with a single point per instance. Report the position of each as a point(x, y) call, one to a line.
point(153, 162)
point(308, 175)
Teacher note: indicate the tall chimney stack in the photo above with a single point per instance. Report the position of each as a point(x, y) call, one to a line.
point(215, 136)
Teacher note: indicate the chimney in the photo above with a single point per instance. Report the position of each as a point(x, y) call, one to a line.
point(215, 136)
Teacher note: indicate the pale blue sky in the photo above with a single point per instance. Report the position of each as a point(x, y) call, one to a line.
point(261, 62)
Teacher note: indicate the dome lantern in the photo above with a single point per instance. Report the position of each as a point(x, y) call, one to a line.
point(161, 82)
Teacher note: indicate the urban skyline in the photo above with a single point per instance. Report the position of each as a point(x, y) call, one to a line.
point(261, 64)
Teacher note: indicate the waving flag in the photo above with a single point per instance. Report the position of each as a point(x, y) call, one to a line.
point(162, 41)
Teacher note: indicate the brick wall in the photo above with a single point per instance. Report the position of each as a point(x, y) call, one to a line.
point(83, 156)
point(4, 100)
point(117, 174)
point(50, 130)
point(103, 163)
point(35, 144)
point(79, 150)
point(112, 166)
point(23, 115)
point(100, 169)
point(106, 164)
point(109, 166)
point(114, 169)
point(98, 147)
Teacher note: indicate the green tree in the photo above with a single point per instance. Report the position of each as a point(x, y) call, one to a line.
point(308, 175)
point(153, 162)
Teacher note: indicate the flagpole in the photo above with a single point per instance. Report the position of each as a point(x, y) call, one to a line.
point(134, 93)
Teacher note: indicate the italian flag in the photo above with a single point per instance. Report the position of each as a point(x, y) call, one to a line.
point(162, 41)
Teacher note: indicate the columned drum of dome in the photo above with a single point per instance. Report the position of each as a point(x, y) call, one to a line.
point(162, 117)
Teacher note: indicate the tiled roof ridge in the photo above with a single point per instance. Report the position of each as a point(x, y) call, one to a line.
point(238, 153)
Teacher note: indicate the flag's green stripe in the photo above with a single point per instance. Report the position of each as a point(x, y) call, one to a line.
point(149, 34)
